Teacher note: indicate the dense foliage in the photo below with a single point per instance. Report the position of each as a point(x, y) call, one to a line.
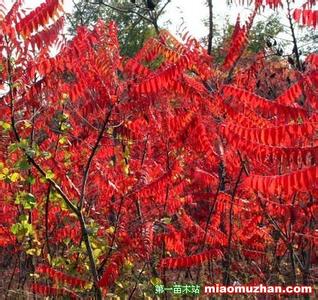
point(116, 172)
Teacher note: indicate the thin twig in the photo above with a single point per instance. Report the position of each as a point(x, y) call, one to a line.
point(90, 159)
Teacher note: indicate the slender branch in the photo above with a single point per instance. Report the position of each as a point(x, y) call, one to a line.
point(121, 10)
point(210, 36)
point(90, 159)
point(308, 253)
point(12, 274)
point(47, 201)
point(226, 275)
point(292, 29)
point(104, 262)
point(163, 8)
point(137, 281)
point(144, 152)
point(274, 223)
point(89, 250)
point(80, 13)
point(47, 206)
point(206, 229)
point(290, 247)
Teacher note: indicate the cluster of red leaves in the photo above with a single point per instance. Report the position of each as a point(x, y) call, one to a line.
point(306, 15)
point(171, 165)
point(238, 43)
point(38, 17)
point(191, 260)
point(112, 270)
point(60, 276)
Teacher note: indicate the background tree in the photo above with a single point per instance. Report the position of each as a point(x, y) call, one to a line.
point(211, 25)
point(136, 20)
point(262, 32)
point(308, 43)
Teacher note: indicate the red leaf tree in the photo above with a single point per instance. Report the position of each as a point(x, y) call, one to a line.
point(163, 161)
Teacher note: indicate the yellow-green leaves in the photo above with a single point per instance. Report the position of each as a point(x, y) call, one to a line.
point(128, 265)
point(15, 177)
point(22, 164)
point(49, 174)
point(5, 126)
point(155, 281)
point(27, 200)
point(34, 251)
point(9, 177)
point(4, 172)
point(63, 140)
point(22, 228)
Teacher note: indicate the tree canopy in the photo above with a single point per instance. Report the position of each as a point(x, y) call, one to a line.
point(136, 20)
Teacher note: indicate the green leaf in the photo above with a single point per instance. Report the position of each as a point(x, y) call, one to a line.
point(49, 174)
point(166, 220)
point(155, 281)
point(23, 218)
point(13, 147)
point(46, 154)
point(6, 126)
point(30, 180)
point(119, 284)
point(24, 144)
point(65, 126)
point(97, 253)
point(27, 200)
point(5, 171)
point(63, 140)
point(33, 252)
point(22, 229)
point(43, 180)
point(57, 261)
point(14, 177)
point(15, 228)
point(23, 165)
point(128, 264)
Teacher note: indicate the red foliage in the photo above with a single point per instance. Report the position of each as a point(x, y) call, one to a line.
point(112, 270)
point(166, 160)
point(60, 276)
point(190, 260)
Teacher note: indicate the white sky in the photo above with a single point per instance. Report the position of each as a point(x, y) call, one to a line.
point(192, 13)
point(188, 15)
